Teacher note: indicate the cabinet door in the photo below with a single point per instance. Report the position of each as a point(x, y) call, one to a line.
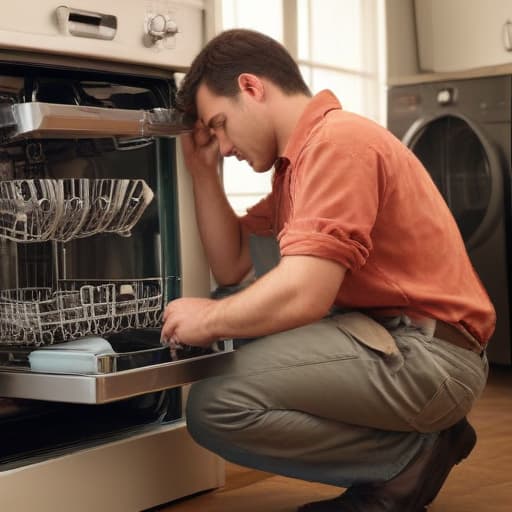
point(456, 35)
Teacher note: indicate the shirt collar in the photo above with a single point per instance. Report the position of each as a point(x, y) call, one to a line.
point(320, 104)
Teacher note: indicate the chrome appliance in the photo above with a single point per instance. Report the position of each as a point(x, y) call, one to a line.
point(97, 234)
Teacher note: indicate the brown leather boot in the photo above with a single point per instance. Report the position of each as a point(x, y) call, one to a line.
point(415, 487)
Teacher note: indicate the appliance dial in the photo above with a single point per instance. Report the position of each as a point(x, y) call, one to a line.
point(161, 26)
point(446, 96)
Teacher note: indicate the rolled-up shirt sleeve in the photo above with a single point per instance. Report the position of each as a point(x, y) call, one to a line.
point(335, 200)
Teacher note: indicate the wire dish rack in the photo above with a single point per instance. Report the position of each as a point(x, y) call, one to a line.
point(37, 210)
point(42, 316)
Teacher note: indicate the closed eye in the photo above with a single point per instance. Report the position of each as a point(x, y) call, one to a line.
point(217, 122)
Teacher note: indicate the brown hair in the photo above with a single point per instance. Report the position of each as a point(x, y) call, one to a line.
point(232, 53)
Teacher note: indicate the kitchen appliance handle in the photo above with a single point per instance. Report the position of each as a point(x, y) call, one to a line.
point(110, 387)
point(52, 120)
point(91, 24)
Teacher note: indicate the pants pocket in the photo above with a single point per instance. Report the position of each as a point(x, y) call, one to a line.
point(368, 332)
point(373, 336)
point(450, 403)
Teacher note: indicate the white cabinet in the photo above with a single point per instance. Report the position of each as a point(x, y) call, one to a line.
point(401, 50)
point(456, 35)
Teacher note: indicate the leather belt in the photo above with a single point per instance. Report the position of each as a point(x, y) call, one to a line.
point(451, 334)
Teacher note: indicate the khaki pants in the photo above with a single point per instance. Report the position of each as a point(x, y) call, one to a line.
point(320, 404)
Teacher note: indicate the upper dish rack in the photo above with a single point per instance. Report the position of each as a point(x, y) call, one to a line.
point(37, 210)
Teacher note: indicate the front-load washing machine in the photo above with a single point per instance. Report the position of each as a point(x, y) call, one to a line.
point(461, 131)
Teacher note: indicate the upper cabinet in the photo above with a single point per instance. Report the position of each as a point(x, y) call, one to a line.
point(455, 35)
point(400, 40)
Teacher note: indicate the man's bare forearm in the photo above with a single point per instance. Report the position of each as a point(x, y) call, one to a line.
point(300, 290)
point(220, 231)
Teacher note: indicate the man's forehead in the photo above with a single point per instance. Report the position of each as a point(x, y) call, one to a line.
point(205, 96)
point(204, 101)
point(209, 107)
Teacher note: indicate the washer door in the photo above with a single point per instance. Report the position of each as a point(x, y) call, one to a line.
point(465, 167)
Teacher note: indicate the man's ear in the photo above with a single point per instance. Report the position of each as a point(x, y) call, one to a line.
point(251, 85)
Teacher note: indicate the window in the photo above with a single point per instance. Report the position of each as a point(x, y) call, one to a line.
point(264, 16)
point(337, 49)
point(336, 44)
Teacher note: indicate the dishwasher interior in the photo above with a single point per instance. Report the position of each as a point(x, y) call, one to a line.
point(89, 256)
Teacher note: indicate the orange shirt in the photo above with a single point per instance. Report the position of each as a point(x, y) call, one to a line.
point(347, 190)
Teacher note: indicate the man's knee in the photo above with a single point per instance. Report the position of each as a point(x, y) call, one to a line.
point(208, 407)
point(218, 410)
point(197, 410)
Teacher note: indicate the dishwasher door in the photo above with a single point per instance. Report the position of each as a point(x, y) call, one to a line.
point(116, 376)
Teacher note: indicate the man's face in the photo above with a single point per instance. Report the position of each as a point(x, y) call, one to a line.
point(241, 125)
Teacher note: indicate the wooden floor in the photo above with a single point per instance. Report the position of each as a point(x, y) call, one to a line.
point(482, 483)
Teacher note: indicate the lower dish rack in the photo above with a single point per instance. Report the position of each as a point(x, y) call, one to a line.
point(77, 308)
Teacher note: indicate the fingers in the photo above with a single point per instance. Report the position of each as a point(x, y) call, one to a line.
point(167, 312)
point(200, 150)
point(202, 134)
point(174, 346)
point(168, 335)
point(168, 326)
point(167, 331)
point(173, 343)
point(200, 137)
point(187, 143)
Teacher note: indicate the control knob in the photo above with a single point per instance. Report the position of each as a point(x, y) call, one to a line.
point(446, 96)
point(161, 26)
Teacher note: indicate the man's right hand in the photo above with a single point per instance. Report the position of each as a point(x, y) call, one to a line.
point(200, 150)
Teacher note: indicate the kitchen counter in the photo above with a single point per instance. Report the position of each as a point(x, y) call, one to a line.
point(503, 69)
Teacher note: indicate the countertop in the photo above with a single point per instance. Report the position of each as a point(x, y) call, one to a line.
point(502, 69)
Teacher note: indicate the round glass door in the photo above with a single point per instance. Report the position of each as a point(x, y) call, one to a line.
point(457, 159)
